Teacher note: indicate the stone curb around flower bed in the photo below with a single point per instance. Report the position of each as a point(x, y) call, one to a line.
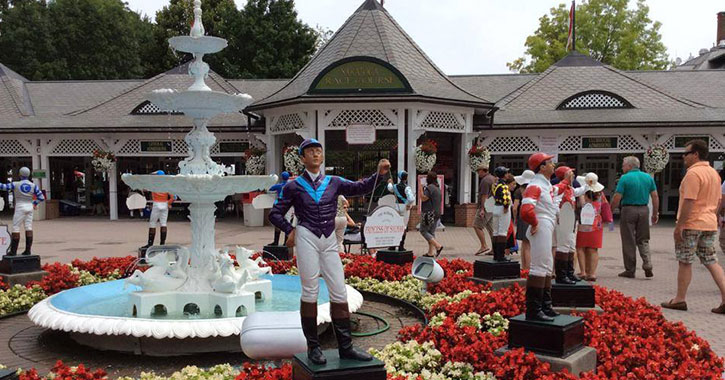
point(13, 314)
point(403, 303)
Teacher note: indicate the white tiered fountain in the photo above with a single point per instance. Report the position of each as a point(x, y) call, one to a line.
point(193, 299)
point(200, 275)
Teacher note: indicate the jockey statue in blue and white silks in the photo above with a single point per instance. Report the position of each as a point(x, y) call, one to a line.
point(27, 195)
point(314, 197)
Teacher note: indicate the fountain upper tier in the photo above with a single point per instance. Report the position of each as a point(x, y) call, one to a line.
point(198, 45)
point(199, 187)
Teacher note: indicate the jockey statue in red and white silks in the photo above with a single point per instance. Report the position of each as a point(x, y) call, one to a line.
point(539, 209)
point(566, 226)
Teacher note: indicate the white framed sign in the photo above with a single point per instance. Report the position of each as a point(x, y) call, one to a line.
point(4, 239)
point(384, 228)
point(360, 134)
point(550, 145)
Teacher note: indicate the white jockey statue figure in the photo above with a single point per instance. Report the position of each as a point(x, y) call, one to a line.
point(566, 226)
point(539, 209)
point(314, 197)
point(27, 195)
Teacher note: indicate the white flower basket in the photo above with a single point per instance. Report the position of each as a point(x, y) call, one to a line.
point(476, 160)
point(102, 164)
point(656, 158)
point(292, 161)
point(424, 162)
point(255, 165)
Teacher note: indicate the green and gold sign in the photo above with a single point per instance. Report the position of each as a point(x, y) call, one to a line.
point(600, 142)
point(682, 141)
point(360, 75)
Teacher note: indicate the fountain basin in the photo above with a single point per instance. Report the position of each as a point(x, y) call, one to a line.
point(199, 187)
point(199, 104)
point(198, 45)
point(99, 316)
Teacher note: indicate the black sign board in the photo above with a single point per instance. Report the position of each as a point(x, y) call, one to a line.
point(155, 146)
point(600, 142)
point(681, 141)
point(233, 147)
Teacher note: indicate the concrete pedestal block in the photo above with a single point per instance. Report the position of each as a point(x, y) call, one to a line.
point(22, 278)
point(582, 360)
point(500, 284)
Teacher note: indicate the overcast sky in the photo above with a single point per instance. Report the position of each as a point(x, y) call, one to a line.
point(480, 36)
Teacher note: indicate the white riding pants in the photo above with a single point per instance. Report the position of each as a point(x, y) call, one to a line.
point(23, 215)
point(319, 256)
point(565, 239)
point(542, 261)
point(501, 221)
point(159, 214)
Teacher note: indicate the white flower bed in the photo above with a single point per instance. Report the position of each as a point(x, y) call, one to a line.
point(255, 165)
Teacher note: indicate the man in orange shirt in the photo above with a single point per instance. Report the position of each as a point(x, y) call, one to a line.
point(696, 228)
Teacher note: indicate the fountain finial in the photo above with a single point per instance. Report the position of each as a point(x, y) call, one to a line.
point(197, 29)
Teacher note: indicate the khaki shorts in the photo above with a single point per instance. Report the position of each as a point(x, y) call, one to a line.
point(700, 243)
point(484, 221)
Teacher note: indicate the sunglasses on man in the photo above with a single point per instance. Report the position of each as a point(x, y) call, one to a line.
point(687, 152)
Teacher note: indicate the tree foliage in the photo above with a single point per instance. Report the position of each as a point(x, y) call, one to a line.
point(606, 30)
point(103, 39)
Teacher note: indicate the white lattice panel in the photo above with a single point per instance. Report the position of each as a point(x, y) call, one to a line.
point(130, 147)
point(70, 147)
point(446, 121)
point(627, 142)
point(148, 108)
point(509, 144)
point(715, 145)
point(571, 144)
point(369, 117)
point(12, 148)
point(179, 147)
point(594, 100)
point(288, 123)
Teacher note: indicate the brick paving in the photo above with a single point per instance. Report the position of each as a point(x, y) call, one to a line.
point(85, 237)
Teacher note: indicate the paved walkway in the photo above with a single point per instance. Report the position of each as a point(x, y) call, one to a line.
point(85, 237)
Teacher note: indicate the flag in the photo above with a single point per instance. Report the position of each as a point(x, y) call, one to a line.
point(570, 40)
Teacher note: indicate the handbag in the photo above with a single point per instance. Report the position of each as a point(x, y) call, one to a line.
point(429, 218)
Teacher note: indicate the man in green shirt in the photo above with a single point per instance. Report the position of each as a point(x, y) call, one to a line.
point(633, 192)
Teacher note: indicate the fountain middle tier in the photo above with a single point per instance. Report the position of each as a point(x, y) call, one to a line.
point(199, 188)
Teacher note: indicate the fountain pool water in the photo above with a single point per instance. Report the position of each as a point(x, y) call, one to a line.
point(195, 300)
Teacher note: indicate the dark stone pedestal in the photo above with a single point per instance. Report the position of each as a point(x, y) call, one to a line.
point(19, 264)
point(394, 257)
point(142, 255)
point(489, 269)
point(336, 368)
point(577, 295)
point(276, 252)
point(8, 374)
point(22, 278)
point(500, 284)
point(559, 338)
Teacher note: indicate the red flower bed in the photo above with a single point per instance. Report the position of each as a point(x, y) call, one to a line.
point(3, 286)
point(59, 278)
point(63, 372)
point(368, 267)
point(259, 372)
point(105, 266)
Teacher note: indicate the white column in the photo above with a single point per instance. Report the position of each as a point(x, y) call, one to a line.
point(401, 140)
point(321, 139)
point(45, 165)
point(113, 192)
point(464, 172)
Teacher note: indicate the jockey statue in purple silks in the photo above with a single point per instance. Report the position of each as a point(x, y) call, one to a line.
point(314, 197)
point(24, 191)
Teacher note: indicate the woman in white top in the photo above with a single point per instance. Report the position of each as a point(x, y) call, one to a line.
point(342, 220)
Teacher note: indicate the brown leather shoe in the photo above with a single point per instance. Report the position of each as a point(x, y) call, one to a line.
point(719, 310)
point(626, 274)
point(675, 306)
point(648, 273)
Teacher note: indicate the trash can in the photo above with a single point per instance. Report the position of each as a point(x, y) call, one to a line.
point(52, 209)
point(252, 216)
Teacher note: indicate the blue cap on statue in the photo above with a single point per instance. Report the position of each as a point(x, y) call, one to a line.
point(307, 144)
point(284, 176)
point(402, 175)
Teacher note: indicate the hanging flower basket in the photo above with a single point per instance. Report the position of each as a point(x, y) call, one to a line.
point(478, 155)
point(425, 155)
point(292, 160)
point(103, 161)
point(656, 158)
point(255, 161)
